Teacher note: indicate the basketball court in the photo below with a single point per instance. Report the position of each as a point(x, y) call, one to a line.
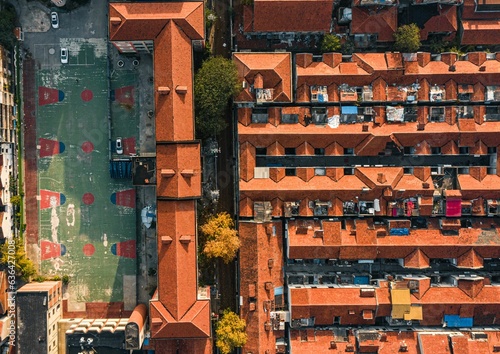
point(87, 220)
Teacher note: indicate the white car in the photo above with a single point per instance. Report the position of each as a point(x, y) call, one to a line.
point(64, 55)
point(119, 146)
point(54, 19)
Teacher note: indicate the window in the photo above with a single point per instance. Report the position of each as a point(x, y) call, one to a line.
point(290, 172)
point(492, 149)
point(259, 115)
point(319, 151)
point(348, 151)
point(289, 118)
point(465, 112)
point(261, 151)
point(289, 151)
point(318, 115)
point(463, 150)
point(409, 150)
point(436, 150)
point(436, 114)
point(492, 113)
point(463, 170)
point(348, 171)
point(408, 170)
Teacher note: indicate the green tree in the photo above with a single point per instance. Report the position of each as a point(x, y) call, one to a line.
point(222, 238)
point(7, 24)
point(23, 265)
point(15, 200)
point(407, 38)
point(214, 85)
point(330, 43)
point(230, 332)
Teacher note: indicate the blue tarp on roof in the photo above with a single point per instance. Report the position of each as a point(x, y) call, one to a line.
point(349, 110)
point(457, 321)
point(361, 279)
point(399, 231)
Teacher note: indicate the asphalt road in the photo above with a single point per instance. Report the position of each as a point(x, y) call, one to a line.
point(89, 21)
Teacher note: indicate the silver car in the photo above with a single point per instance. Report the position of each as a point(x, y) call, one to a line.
point(64, 55)
point(54, 19)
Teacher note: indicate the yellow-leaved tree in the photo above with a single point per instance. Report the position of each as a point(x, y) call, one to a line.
point(222, 238)
point(230, 332)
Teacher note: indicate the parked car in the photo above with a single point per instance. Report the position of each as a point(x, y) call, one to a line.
point(54, 19)
point(64, 55)
point(119, 146)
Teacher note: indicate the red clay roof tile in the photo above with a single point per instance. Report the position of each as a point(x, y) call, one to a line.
point(292, 15)
point(383, 22)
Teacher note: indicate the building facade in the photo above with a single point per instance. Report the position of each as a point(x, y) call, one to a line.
point(368, 192)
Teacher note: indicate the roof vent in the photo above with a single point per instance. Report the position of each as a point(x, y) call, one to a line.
point(365, 127)
point(425, 185)
point(452, 68)
point(333, 344)
point(163, 90)
point(420, 126)
point(115, 20)
point(181, 89)
point(381, 178)
point(482, 68)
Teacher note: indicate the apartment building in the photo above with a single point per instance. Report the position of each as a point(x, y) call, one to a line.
point(368, 193)
point(38, 309)
point(179, 321)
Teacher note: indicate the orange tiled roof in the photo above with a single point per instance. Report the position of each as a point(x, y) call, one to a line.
point(383, 22)
point(175, 311)
point(424, 341)
point(470, 298)
point(136, 21)
point(476, 32)
point(261, 266)
point(431, 242)
point(445, 21)
point(292, 15)
point(265, 71)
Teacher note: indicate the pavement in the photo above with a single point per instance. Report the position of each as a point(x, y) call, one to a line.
point(34, 16)
point(87, 26)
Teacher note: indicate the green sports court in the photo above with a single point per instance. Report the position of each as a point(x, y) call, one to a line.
point(87, 220)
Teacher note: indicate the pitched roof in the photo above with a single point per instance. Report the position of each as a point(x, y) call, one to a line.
point(470, 297)
point(175, 311)
point(382, 22)
point(137, 21)
point(292, 15)
point(416, 248)
point(273, 70)
point(476, 32)
point(261, 260)
point(445, 21)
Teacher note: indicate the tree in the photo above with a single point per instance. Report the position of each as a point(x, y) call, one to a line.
point(15, 200)
point(222, 238)
point(214, 85)
point(230, 332)
point(330, 43)
point(7, 24)
point(407, 38)
point(23, 265)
